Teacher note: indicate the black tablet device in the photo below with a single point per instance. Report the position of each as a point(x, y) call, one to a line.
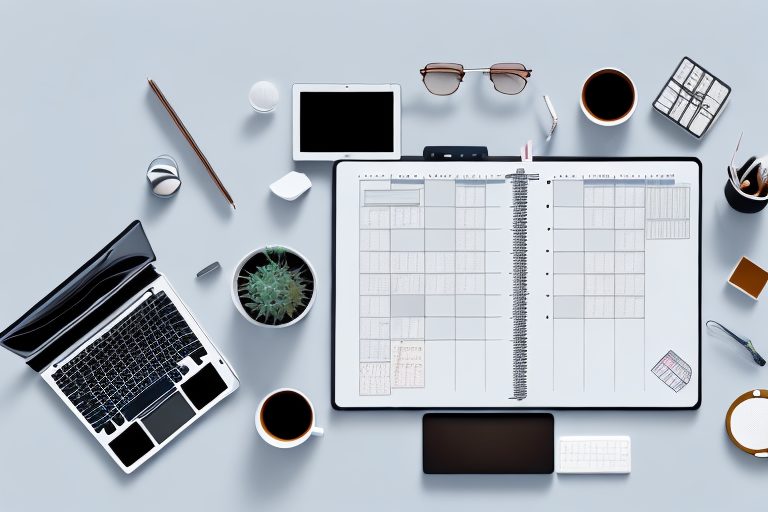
point(346, 122)
point(488, 443)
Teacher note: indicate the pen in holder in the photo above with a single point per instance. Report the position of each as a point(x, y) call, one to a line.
point(747, 188)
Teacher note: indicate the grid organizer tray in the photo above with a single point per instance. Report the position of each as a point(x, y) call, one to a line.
point(692, 98)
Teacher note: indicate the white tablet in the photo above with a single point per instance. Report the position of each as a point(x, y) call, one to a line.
point(346, 122)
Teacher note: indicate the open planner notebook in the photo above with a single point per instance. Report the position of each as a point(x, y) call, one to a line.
point(554, 283)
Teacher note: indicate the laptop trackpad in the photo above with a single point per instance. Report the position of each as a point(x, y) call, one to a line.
point(168, 417)
point(150, 395)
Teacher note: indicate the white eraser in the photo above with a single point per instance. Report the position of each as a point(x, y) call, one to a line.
point(291, 186)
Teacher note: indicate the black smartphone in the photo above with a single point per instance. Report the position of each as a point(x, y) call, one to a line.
point(507, 443)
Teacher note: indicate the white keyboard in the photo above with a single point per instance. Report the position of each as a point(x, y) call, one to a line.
point(595, 454)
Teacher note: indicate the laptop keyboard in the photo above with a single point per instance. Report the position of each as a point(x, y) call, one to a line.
point(132, 359)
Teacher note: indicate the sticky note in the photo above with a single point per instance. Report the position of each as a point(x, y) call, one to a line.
point(749, 277)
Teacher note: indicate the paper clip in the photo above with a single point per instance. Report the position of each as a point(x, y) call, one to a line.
point(553, 115)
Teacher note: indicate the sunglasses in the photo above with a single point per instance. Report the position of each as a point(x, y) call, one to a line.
point(443, 79)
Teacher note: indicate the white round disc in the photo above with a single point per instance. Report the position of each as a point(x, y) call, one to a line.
point(264, 96)
point(749, 423)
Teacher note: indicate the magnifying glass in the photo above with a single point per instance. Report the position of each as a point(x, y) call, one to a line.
point(747, 422)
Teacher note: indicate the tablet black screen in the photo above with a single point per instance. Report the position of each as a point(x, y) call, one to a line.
point(347, 122)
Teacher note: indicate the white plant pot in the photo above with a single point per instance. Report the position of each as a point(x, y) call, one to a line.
point(235, 284)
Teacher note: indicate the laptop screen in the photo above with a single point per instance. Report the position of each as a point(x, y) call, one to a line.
point(81, 293)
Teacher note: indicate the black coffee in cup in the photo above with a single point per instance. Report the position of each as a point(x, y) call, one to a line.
point(286, 415)
point(608, 95)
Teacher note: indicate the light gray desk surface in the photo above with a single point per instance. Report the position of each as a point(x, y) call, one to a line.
point(79, 125)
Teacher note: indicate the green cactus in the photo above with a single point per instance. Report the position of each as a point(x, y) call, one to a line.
point(274, 291)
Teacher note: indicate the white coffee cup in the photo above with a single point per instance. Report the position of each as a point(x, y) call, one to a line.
point(627, 112)
point(266, 435)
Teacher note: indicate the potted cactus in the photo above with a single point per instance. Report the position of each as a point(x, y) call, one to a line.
point(273, 286)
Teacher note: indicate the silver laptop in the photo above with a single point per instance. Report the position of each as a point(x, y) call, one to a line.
point(117, 344)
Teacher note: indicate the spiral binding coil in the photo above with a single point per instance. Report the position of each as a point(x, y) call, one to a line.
point(520, 285)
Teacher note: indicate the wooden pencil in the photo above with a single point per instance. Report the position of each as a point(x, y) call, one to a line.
point(190, 140)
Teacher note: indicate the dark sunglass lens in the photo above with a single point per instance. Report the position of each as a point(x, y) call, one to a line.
point(508, 78)
point(442, 83)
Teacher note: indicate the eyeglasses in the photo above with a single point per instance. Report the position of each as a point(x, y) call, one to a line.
point(443, 79)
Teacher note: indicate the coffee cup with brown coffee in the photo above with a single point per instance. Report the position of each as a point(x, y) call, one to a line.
point(608, 97)
point(286, 418)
